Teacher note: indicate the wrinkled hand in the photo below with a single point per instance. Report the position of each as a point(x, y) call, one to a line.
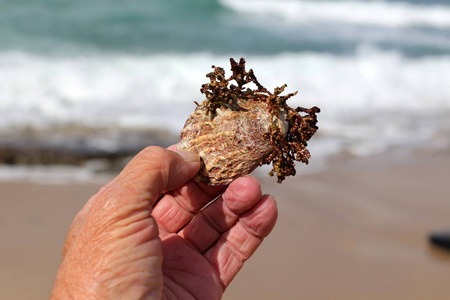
point(124, 244)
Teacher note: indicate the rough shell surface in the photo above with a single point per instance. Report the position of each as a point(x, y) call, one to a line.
point(231, 144)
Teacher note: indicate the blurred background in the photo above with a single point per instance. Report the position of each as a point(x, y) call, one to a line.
point(85, 84)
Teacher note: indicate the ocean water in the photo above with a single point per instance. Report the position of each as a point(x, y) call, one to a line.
point(379, 70)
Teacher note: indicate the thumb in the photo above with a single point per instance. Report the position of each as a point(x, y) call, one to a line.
point(150, 173)
point(156, 170)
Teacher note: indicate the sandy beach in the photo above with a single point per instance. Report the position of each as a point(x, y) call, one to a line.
point(357, 230)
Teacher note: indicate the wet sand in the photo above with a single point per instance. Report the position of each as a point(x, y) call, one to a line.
point(355, 231)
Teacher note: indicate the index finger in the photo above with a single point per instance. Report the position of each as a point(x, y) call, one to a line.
point(193, 189)
point(177, 208)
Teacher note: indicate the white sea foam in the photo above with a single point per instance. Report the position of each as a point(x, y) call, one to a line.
point(380, 13)
point(368, 101)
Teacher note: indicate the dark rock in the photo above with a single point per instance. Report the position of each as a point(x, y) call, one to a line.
point(76, 146)
point(440, 239)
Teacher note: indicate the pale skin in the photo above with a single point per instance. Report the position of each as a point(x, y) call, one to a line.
point(127, 244)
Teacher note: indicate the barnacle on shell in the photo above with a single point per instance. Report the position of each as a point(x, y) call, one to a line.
point(237, 129)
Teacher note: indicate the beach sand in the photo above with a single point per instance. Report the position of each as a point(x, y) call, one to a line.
point(358, 230)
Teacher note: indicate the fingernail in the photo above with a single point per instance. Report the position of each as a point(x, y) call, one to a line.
point(189, 156)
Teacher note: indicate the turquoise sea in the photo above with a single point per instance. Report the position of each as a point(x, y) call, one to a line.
point(379, 70)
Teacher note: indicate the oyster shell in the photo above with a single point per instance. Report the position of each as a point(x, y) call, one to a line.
point(237, 129)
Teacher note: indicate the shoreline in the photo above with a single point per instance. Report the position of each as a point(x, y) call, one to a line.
point(356, 230)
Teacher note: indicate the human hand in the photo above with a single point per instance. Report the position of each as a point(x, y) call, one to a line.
point(124, 244)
